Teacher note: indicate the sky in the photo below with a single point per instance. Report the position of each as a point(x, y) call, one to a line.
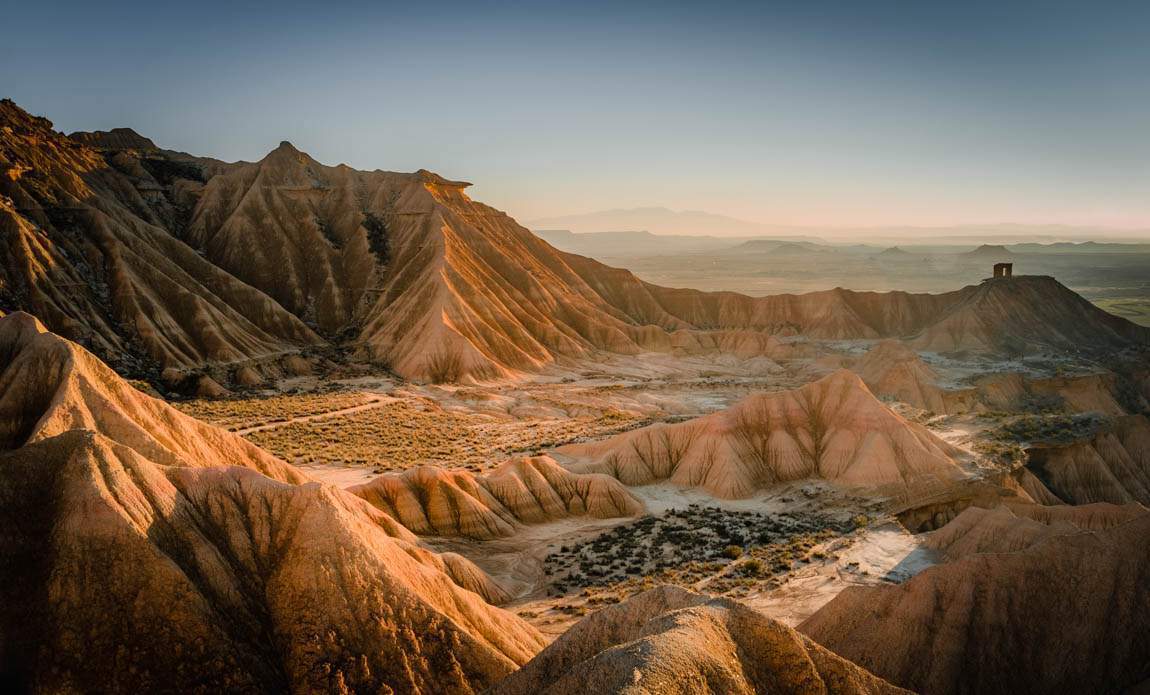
point(852, 113)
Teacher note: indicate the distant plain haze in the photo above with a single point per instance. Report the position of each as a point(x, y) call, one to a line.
point(833, 114)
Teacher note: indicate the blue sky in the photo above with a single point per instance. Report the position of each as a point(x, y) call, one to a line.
point(821, 113)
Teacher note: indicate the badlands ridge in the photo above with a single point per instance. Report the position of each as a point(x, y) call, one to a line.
point(165, 263)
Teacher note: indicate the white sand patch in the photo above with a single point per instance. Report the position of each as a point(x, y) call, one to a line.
point(883, 554)
point(339, 476)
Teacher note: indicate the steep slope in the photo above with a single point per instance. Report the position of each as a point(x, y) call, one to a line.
point(1065, 615)
point(86, 246)
point(892, 369)
point(668, 640)
point(1099, 392)
point(833, 429)
point(1015, 527)
point(203, 563)
point(49, 386)
point(1024, 314)
point(406, 268)
point(433, 501)
point(1113, 466)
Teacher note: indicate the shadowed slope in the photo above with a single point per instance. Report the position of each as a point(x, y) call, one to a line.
point(668, 640)
point(49, 386)
point(201, 562)
point(1013, 527)
point(223, 579)
point(434, 501)
point(833, 429)
point(1113, 466)
point(1065, 615)
point(87, 246)
point(892, 369)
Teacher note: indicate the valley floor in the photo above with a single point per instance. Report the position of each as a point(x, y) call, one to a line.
point(786, 551)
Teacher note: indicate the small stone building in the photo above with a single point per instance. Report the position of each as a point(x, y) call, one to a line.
point(1003, 270)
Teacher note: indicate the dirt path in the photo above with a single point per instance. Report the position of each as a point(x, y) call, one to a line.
point(373, 402)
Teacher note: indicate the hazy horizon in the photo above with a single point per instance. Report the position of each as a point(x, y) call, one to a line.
point(614, 221)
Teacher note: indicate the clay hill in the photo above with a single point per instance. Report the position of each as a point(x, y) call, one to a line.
point(669, 640)
point(893, 369)
point(88, 247)
point(1113, 466)
point(833, 429)
point(1012, 527)
point(433, 501)
point(1065, 614)
point(202, 563)
point(158, 260)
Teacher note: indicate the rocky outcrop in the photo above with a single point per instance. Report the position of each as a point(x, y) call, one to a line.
point(1014, 527)
point(147, 551)
point(89, 249)
point(114, 139)
point(668, 640)
point(833, 429)
point(896, 371)
point(434, 501)
point(1064, 615)
point(49, 386)
point(1024, 314)
point(1113, 466)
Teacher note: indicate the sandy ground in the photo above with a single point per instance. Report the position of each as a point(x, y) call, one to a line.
point(374, 401)
point(517, 562)
point(887, 554)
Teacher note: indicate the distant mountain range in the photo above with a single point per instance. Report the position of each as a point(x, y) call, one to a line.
point(662, 221)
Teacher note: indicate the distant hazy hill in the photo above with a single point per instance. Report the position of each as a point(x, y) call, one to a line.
point(990, 252)
point(663, 221)
point(1066, 247)
point(607, 244)
point(776, 247)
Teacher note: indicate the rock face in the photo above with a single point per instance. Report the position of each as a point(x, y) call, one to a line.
point(1023, 314)
point(204, 564)
point(668, 640)
point(1006, 529)
point(50, 386)
point(833, 429)
point(893, 369)
point(1067, 614)
point(434, 501)
point(87, 246)
point(116, 244)
point(115, 139)
point(1113, 466)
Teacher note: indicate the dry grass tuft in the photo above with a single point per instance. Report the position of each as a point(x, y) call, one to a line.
point(445, 366)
